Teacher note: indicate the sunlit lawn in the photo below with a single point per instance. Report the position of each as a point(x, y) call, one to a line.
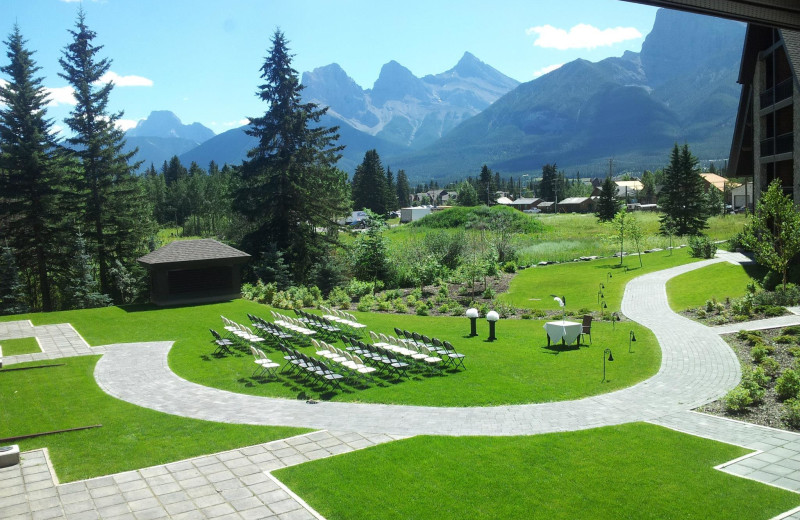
point(15, 347)
point(517, 368)
point(131, 437)
point(580, 282)
point(635, 471)
point(717, 281)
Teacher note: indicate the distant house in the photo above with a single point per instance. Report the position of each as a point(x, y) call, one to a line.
point(742, 196)
point(524, 203)
point(504, 201)
point(626, 190)
point(576, 205)
point(194, 271)
point(716, 181)
point(546, 207)
point(766, 138)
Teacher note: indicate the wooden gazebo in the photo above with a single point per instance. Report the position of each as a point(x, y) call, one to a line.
point(194, 271)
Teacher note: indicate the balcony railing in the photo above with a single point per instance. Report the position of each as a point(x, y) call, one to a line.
point(779, 92)
point(777, 145)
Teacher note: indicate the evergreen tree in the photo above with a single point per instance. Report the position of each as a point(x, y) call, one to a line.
point(607, 204)
point(12, 291)
point(174, 171)
point(391, 192)
point(31, 169)
point(683, 200)
point(648, 194)
point(289, 186)
point(115, 207)
point(80, 288)
point(549, 183)
point(403, 189)
point(466, 195)
point(486, 186)
point(369, 184)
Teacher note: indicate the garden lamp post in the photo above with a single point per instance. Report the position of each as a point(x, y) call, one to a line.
point(631, 339)
point(614, 320)
point(610, 358)
point(603, 308)
point(600, 295)
point(609, 276)
point(472, 314)
point(492, 318)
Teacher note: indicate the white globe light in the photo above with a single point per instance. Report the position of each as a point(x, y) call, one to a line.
point(472, 313)
point(492, 316)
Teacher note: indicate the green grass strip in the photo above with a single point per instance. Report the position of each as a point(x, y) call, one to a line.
point(16, 347)
point(719, 281)
point(636, 471)
point(131, 437)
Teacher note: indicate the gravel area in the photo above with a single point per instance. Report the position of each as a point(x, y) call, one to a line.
point(769, 411)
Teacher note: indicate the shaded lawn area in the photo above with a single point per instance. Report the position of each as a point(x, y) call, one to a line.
point(517, 368)
point(635, 471)
point(580, 281)
point(15, 347)
point(718, 281)
point(64, 397)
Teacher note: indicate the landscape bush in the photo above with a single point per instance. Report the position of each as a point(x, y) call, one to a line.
point(788, 385)
point(791, 413)
point(738, 399)
point(778, 297)
point(759, 353)
point(339, 298)
point(771, 367)
point(700, 246)
point(785, 339)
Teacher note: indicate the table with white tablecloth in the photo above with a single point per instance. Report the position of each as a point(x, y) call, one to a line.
point(562, 330)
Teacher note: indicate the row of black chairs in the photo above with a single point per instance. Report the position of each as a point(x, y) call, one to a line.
point(309, 367)
point(384, 360)
point(271, 332)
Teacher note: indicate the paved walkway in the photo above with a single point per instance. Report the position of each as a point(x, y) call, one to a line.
point(234, 484)
point(697, 367)
point(55, 341)
point(768, 323)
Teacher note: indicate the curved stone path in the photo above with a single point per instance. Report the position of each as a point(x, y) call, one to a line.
point(697, 367)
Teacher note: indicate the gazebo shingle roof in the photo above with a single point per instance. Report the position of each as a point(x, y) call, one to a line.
point(181, 251)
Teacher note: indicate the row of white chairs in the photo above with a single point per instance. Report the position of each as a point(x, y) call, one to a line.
point(241, 332)
point(264, 365)
point(416, 352)
point(343, 318)
point(292, 324)
point(354, 364)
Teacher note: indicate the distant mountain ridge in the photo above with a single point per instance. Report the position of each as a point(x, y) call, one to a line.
point(162, 135)
point(403, 109)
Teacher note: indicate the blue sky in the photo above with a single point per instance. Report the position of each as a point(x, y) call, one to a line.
point(201, 58)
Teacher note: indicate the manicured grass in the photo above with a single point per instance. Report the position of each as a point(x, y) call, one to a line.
point(15, 347)
point(718, 281)
point(580, 281)
point(55, 398)
point(636, 471)
point(517, 368)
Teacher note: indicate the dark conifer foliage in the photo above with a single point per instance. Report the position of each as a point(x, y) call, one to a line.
point(403, 189)
point(682, 198)
point(12, 290)
point(607, 205)
point(31, 172)
point(290, 188)
point(115, 212)
point(369, 185)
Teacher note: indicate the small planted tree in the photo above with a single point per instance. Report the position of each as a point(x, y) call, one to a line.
point(773, 232)
point(81, 290)
point(636, 234)
point(607, 205)
point(620, 226)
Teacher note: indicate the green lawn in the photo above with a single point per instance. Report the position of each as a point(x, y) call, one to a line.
point(15, 347)
point(718, 281)
point(580, 281)
point(517, 368)
point(636, 471)
point(62, 397)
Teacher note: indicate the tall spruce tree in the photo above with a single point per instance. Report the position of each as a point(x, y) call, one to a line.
point(682, 197)
point(607, 205)
point(369, 184)
point(12, 293)
point(289, 186)
point(549, 183)
point(486, 186)
point(115, 208)
point(32, 170)
point(403, 189)
point(391, 192)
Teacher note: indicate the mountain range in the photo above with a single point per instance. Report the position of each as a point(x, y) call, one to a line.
point(680, 88)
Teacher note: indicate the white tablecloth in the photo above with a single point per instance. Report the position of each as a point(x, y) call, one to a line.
point(566, 330)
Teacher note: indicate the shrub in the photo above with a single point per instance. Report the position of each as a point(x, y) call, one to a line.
point(788, 385)
point(488, 293)
point(791, 413)
point(282, 300)
point(772, 310)
point(711, 305)
point(399, 305)
point(456, 309)
point(785, 339)
point(701, 313)
point(755, 382)
point(792, 330)
point(526, 316)
point(794, 351)
point(510, 267)
point(701, 246)
point(421, 308)
point(743, 306)
point(366, 303)
point(759, 353)
point(784, 298)
point(384, 305)
point(504, 309)
point(538, 313)
point(737, 400)
point(356, 288)
point(771, 367)
point(339, 298)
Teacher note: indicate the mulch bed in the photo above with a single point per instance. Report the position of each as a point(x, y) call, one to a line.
point(769, 412)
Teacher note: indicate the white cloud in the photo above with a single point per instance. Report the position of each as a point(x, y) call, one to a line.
point(60, 96)
point(56, 129)
point(125, 81)
point(243, 122)
point(126, 124)
point(545, 70)
point(581, 36)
